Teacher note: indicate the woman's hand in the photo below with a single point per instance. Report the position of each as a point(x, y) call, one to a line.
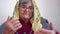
point(45, 31)
point(11, 25)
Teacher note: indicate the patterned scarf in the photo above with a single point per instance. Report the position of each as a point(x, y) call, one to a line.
point(35, 20)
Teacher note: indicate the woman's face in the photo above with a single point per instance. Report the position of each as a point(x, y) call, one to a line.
point(26, 10)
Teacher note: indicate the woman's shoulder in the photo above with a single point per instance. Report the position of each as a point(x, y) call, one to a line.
point(45, 23)
point(44, 20)
point(2, 28)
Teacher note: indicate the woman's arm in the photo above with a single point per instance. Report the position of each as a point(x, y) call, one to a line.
point(11, 26)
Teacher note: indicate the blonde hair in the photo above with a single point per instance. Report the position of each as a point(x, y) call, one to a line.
point(35, 20)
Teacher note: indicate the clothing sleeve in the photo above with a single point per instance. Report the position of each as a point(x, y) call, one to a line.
point(45, 23)
point(1, 28)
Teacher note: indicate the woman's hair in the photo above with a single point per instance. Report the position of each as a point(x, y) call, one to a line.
point(35, 20)
point(24, 2)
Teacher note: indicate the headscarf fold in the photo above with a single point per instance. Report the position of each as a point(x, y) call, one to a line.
point(35, 20)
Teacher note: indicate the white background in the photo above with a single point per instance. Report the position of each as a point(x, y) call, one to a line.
point(49, 9)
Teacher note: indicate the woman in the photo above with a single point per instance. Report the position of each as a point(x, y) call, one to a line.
point(26, 20)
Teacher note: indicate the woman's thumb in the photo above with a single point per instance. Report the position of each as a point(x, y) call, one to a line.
point(9, 18)
point(51, 26)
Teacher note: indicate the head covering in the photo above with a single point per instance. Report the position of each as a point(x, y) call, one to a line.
point(35, 20)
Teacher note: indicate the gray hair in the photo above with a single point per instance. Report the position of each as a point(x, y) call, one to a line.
point(22, 1)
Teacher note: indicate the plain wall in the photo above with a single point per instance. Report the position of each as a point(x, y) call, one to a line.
point(49, 9)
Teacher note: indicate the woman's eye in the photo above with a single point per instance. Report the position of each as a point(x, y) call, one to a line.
point(23, 6)
point(30, 7)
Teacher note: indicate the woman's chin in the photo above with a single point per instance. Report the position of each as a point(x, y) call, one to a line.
point(27, 17)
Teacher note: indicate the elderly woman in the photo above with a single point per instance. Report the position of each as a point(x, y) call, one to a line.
point(26, 20)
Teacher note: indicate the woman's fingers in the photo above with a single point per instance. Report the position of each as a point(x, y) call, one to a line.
point(12, 24)
point(51, 26)
point(8, 18)
point(45, 31)
point(18, 27)
point(15, 24)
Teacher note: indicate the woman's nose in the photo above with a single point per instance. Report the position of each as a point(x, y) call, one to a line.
point(27, 10)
